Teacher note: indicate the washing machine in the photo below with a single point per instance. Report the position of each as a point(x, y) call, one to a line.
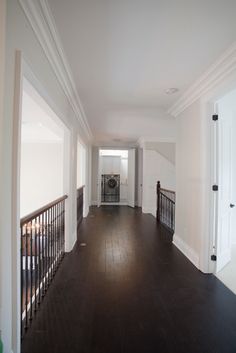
point(110, 188)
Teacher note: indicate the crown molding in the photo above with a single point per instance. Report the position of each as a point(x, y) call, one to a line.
point(215, 74)
point(42, 22)
point(144, 139)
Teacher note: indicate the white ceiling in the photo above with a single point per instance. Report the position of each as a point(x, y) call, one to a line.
point(124, 54)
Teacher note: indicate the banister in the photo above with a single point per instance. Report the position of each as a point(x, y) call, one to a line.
point(39, 211)
point(169, 199)
point(42, 250)
point(165, 207)
point(81, 187)
point(166, 190)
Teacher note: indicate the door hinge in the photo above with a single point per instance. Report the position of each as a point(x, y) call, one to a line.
point(213, 257)
point(215, 117)
point(215, 187)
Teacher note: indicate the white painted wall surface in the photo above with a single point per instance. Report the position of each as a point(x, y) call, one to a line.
point(94, 176)
point(155, 167)
point(20, 36)
point(81, 165)
point(189, 179)
point(110, 164)
point(41, 175)
point(2, 70)
point(233, 218)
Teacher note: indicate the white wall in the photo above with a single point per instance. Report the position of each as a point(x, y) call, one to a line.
point(2, 70)
point(195, 177)
point(233, 218)
point(20, 36)
point(41, 175)
point(189, 181)
point(81, 165)
point(155, 167)
point(94, 178)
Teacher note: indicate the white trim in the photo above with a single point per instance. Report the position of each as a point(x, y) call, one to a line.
point(44, 27)
point(95, 203)
point(186, 250)
point(148, 210)
point(114, 204)
point(15, 250)
point(213, 76)
point(2, 77)
point(142, 140)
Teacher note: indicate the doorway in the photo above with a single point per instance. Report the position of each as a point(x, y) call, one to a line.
point(42, 200)
point(225, 219)
point(116, 177)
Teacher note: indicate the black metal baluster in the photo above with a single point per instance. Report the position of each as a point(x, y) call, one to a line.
point(43, 254)
point(35, 262)
point(171, 215)
point(57, 245)
point(54, 237)
point(31, 272)
point(53, 229)
point(49, 245)
point(21, 276)
point(63, 227)
point(39, 257)
point(59, 234)
point(26, 276)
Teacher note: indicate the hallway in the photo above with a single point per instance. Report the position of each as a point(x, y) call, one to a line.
point(129, 290)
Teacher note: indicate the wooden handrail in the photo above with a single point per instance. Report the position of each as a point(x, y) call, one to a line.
point(166, 190)
point(167, 197)
point(81, 187)
point(38, 212)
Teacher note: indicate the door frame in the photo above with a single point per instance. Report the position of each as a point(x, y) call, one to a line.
point(209, 235)
point(24, 72)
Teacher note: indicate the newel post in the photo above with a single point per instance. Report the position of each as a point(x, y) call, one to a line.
point(158, 200)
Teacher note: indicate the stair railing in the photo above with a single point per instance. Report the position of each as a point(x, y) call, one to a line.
point(165, 207)
point(42, 250)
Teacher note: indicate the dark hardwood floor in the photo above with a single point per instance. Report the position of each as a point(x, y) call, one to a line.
point(131, 291)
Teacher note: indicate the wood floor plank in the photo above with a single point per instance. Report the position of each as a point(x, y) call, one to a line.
point(130, 290)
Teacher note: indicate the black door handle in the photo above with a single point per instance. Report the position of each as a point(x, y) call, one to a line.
point(232, 205)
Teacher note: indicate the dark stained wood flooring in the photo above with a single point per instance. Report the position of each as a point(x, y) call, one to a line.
point(131, 291)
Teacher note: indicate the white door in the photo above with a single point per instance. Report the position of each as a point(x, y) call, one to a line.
point(131, 178)
point(223, 244)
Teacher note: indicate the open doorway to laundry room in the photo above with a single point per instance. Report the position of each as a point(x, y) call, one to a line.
point(116, 177)
point(225, 170)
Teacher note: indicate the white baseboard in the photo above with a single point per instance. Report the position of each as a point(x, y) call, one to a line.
point(149, 210)
point(114, 203)
point(86, 212)
point(186, 250)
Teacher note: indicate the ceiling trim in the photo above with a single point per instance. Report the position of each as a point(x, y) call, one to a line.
point(44, 27)
point(143, 139)
point(213, 76)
